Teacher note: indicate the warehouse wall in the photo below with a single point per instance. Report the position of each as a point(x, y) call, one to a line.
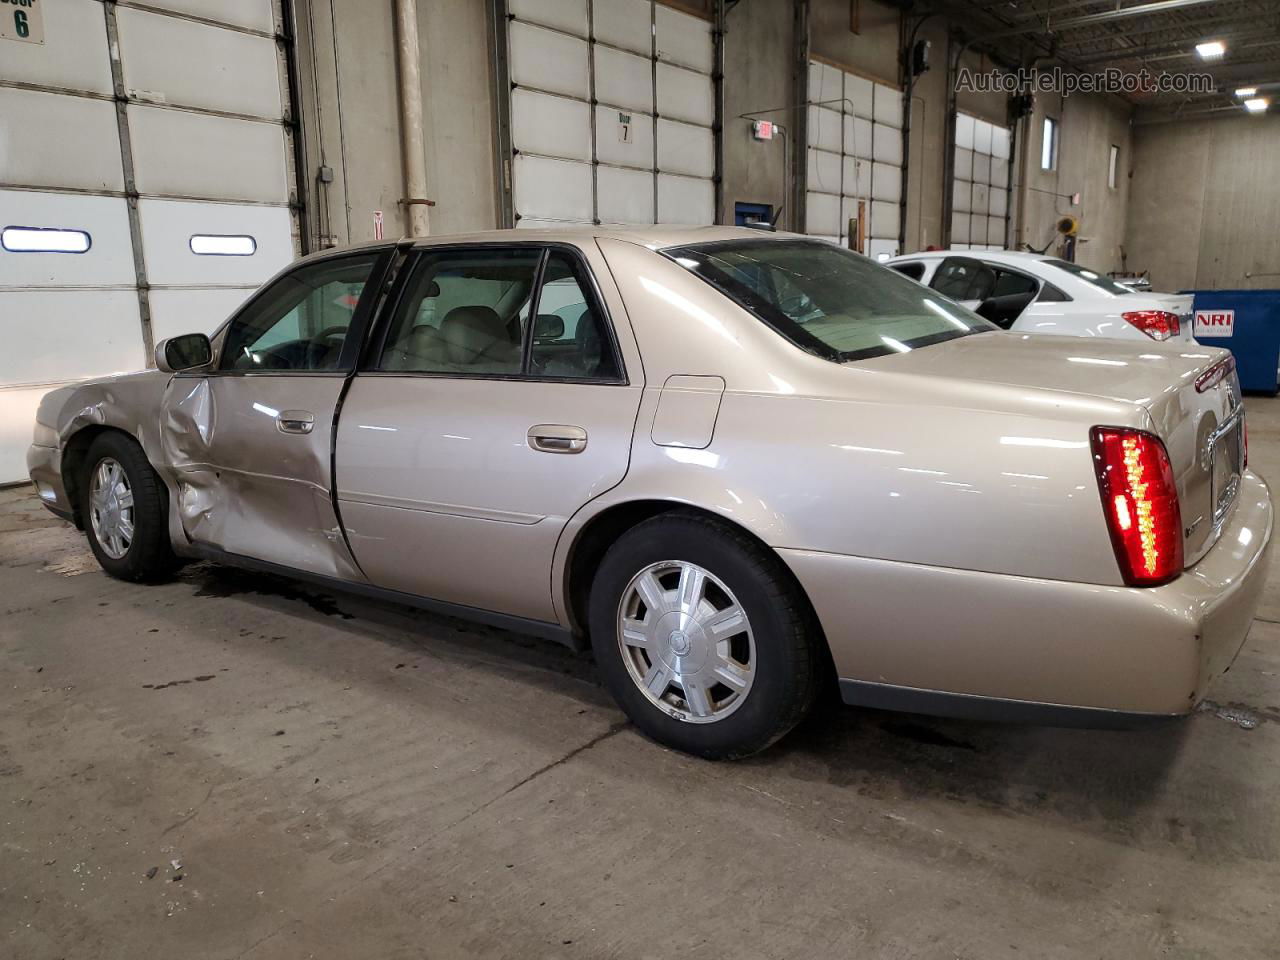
point(350, 109)
point(758, 77)
point(1204, 209)
point(1089, 125)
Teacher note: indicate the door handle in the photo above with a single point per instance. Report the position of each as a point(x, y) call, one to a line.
point(557, 438)
point(295, 421)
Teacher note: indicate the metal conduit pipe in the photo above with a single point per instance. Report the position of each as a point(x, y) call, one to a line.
point(408, 64)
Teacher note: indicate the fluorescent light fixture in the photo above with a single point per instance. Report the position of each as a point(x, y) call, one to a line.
point(216, 245)
point(1211, 49)
point(1244, 93)
point(44, 240)
point(1257, 105)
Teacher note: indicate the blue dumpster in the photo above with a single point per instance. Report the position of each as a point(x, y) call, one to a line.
point(1246, 322)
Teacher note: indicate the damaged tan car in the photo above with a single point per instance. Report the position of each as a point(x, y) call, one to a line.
point(742, 465)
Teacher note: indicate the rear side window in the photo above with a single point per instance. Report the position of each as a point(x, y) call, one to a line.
point(1051, 294)
point(526, 312)
point(913, 270)
point(1011, 284)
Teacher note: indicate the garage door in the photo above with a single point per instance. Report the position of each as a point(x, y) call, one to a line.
point(854, 155)
point(612, 113)
point(980, 199)
point(124, 224)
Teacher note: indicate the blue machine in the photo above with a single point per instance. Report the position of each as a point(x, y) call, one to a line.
point(1246, 322)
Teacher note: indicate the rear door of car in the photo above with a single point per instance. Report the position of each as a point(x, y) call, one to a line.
point(479, 423)
point(250, 440)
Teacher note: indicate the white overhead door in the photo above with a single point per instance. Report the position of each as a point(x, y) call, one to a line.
point(124, 224)
point(612, 113)
point(854, 158)
point(980, 198)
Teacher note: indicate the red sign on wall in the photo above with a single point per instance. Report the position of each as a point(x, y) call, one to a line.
point(1215, 323)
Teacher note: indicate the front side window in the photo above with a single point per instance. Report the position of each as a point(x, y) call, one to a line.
point(300, 322)
point(827, 300)
point(1099, 280)
point(468, 313)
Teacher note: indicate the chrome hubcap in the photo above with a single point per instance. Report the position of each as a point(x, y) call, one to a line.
point(111, 508)
point(686, 641)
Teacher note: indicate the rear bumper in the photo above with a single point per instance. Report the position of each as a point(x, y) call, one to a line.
point(965, 643)
point(44, 464)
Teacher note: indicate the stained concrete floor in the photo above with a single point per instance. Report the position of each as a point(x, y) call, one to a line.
point(232, 765)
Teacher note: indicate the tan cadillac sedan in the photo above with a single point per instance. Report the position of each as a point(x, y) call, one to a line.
point(744, 465)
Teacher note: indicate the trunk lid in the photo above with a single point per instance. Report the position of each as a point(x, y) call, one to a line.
point(1190, 392)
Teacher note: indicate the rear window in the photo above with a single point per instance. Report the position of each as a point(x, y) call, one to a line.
point(827, 300)
point(1100, 280)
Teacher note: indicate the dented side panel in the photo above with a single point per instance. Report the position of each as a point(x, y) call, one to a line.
point(246, 482)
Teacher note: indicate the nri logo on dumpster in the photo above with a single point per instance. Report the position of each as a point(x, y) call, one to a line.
point(1215, 323)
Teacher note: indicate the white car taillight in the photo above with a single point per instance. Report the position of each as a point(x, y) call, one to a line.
point(1156, 324)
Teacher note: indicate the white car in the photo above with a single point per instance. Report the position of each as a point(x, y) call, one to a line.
point(1035, 293)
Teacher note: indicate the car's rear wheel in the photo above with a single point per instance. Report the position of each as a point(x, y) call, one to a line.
point(702, 636)
point(125, 510)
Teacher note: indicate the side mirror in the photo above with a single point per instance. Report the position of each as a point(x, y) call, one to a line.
point(548, 326)
point(187, 352)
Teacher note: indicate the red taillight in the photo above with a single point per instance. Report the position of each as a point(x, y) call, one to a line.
point(1140, 501)
point(1156, 324)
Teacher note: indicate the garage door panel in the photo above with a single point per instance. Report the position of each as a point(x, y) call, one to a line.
point(860, 92)
point(822, 214)
point(964, 131)
point(17, 419)
point(884, 219)
point(93, 163)
point(636, 150)
point(982, 137)
point(964, 163)
point(624, 23)
point(960, 227)
point(625, 196)
point(175, 312)
point(685, 200)
point(554, 126)
point(999, 202)
point(552, 189)
point(623, 79)
point(177, 61)
point(187, 154)
point(825, 82)
point(888, 105)
point(570, 15)
point(857, 177)
point(981, 199)
point(878, 248)
point(73, 55)
point(548, 60)
point(1000, 142)
point(169, 226)
point(995, 231)
point(686, 149)
point(56, 322)
point(825, 129)
point(857, 137)
point(888, 144)
point(108, 261)
point(981, 168)
point(962, 197)
point(684, 39)
point(824, 171)
point(686, 95)
point(252, 14)
point(886, 182)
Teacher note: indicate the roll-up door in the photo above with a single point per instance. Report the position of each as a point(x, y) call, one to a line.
point(854, 155)
point(124, 224)
point(611, 112)
point(980, 198)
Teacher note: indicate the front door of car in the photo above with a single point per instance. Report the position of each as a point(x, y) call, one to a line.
point(250, 440)
point(492, 406)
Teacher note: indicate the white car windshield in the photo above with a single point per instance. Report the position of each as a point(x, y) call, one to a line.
point(1100, 280)
point(830, 301)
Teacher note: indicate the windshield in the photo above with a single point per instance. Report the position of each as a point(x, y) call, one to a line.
point(1099, 280)
point(828, 300)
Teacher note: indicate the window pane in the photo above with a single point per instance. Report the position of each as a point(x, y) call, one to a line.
point(1111, 169)
point(301, 321)
point(832, 302)
point(569, 339)
point(1047, 145)
point(1014, 284)
point(955, 277)
point(465, 313)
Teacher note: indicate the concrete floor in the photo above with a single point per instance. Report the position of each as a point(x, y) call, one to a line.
point(313, 775)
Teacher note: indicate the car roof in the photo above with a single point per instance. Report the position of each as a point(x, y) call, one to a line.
point(655, 237)
point(1011, 257)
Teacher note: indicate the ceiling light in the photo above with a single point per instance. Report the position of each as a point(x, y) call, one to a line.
point(1244, 93)
point(1211, 49)
point(1257, 105)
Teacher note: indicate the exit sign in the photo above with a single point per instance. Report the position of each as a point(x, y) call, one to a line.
point(22, 20)
point(1215, 323)
point(762, 129)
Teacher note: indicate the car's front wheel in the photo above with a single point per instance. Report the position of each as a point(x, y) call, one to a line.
point(125, 510)
point(702, 636)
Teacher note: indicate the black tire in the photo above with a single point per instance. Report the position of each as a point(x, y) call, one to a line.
point(149, 557)
point(787, 653)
